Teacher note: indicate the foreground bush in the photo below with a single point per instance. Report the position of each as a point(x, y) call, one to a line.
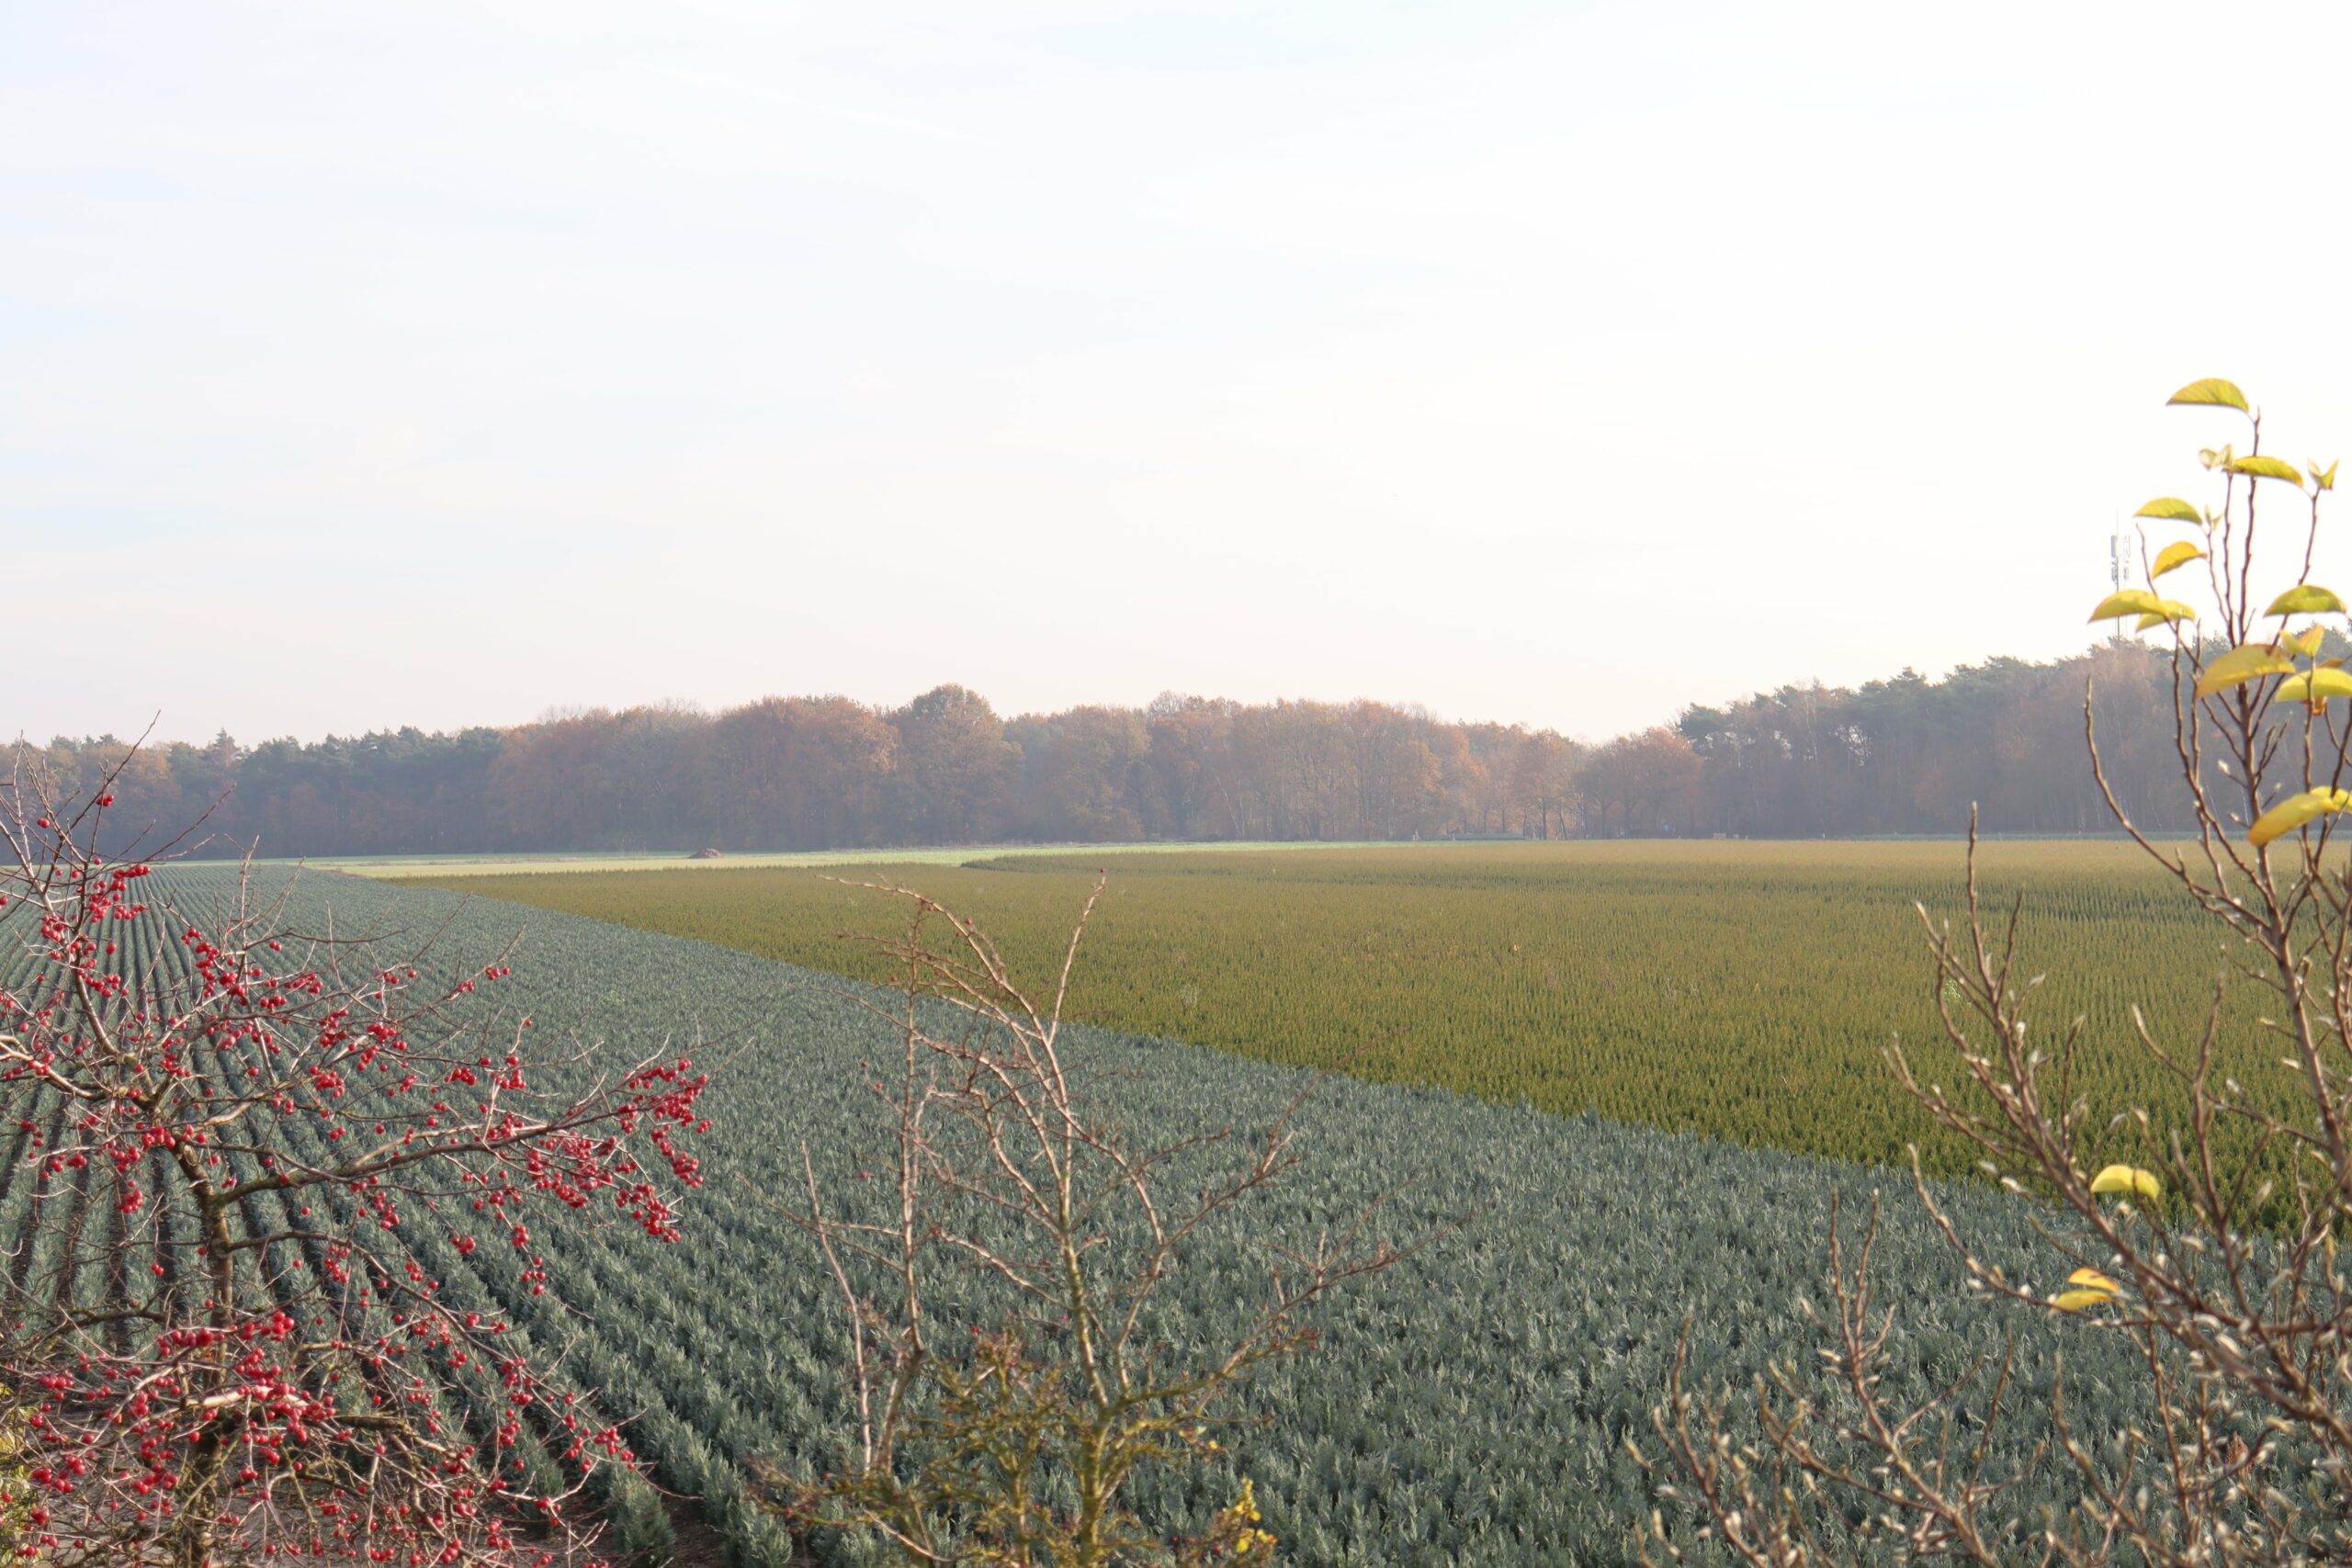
point(1010, 1430)
point(250, 1157)
point(2210, 1246)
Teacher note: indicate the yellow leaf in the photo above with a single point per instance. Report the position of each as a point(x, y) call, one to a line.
point(2317, 688)
point(2075, 1301)
point(2172, 509)
point(2291, 813)
point(2262, 468)
point(2250, 662)
point(2304, 643)
point(2128, 602)
point(2211, 391)
point(2173, 557)
point(2306, 599)
point(2322, 477)
point(2091, 1279)
point(2173, 610)
point(2127, 1179)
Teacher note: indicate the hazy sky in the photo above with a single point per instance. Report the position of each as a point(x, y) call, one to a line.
point(364, 364)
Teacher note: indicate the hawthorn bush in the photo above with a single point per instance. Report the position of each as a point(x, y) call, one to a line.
point(222, 1349)
point(15, 1488)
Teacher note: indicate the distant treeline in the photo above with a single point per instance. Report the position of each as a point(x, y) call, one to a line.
point(1902, 755)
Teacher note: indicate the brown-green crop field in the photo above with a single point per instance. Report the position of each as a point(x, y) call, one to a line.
point(1744, 990)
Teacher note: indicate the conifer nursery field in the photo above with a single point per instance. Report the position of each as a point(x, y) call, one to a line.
point(1472, 1407)
point(1744, 990)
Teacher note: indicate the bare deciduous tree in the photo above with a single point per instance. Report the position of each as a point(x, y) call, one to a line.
point(1013, 1438)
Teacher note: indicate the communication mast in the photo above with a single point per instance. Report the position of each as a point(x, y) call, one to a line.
point(2120, 559)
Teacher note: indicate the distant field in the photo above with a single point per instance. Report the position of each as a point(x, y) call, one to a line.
point(1741, 990)
point(402, 868)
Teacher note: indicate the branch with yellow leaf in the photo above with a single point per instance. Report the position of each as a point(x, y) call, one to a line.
point(2212, 1245)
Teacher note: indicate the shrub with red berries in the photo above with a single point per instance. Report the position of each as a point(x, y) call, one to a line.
point(234, 1330)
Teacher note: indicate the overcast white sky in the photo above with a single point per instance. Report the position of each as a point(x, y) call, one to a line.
point(364, 364)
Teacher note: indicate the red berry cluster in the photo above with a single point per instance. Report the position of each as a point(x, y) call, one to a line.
point(301, 1156)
